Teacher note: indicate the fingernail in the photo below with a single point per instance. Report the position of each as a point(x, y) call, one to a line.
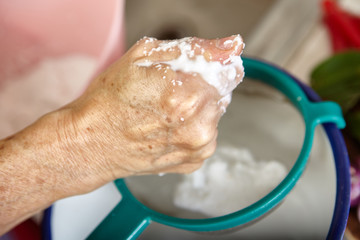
point(225, 43)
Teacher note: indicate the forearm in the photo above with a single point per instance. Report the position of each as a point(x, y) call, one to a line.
point(40, 165)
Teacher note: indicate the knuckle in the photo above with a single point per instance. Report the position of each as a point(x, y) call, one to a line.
point(203, 137)
point(190, 104)
point(183, 106)
point(189, 168)
point(142, 47)
point(209, 151)
point(195, 137)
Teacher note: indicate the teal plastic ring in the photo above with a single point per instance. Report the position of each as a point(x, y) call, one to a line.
point(130, 217)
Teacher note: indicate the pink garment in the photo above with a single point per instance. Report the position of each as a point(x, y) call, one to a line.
point(32, 30)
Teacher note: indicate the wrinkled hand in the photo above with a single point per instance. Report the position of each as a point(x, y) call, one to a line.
point(140, 116)
point(135, 119)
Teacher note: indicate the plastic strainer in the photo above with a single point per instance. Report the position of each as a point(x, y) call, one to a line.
point(130, 217)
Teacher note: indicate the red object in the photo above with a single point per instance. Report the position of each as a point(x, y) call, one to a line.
point(27, 230)
point(355, 20)
point(343, 27)
point(338, 41)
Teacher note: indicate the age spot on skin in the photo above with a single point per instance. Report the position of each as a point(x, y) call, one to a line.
point(104, 80)
point(26, 144)
point(168, 120)
point(39, 180)
point(2, 188)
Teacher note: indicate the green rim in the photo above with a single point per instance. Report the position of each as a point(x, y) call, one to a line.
point(126, 221)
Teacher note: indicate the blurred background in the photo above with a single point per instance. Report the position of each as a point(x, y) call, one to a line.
point(289, 33)
point(314, 40)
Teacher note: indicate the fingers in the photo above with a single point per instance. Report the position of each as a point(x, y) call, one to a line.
point(195, 161)
point(217, 61)
point(184, 168)
point(219, 49)
point(189, 97)
point(212, 50)
point(195, 135)
point(226, 51)
point(150, 51)
point(175, 160)
point(205, 152)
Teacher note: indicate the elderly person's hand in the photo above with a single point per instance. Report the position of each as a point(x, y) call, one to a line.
point(141, 116)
